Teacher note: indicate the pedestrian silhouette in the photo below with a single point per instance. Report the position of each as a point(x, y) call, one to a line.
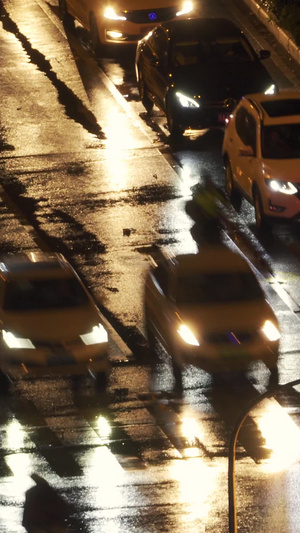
point(45, 511)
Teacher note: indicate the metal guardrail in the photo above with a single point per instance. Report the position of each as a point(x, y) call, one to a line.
point(232, 448)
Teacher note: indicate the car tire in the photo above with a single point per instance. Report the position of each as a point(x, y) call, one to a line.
point(232, 192)
point(260, 218)
point(175, 128)
point(274, 376)
point(96, 44)
point(101, 379)
point(151, 339)
point(4, 384)
point(147, 103)
point(67, 19)
point(177, 373)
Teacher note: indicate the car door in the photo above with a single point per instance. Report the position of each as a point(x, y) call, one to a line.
point(155, 66)
point(244, 150)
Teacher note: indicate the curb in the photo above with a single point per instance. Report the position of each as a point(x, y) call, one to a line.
point(283, 37)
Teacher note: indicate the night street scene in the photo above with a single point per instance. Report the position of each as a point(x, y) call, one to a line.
point(150, 266)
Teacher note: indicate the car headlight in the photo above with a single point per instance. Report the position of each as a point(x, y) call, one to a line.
point(110, 13)
point(187, 7)
point(97, 335)
point(270, 90)
point(16, 342)
point(186, 101)
point(270, 331)
point(187, 335)
point(285, 187)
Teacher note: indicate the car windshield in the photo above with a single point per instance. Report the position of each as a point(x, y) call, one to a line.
point(29, 295)
point(280, 142)
point(218, 288)
point(201, 51)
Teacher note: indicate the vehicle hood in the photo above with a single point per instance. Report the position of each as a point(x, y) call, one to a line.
point(241, 316)
point(284, 169)
point(53, 326)
point(218, 82)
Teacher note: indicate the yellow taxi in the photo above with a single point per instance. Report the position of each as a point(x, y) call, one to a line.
point(121, 21)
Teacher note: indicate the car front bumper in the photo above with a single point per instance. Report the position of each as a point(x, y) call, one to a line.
point(224, 357)
point(281, 206)
point(55, 361)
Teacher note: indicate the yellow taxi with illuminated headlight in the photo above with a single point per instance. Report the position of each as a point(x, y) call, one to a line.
point(121, 21)
point(49, 321)
point(209, 309)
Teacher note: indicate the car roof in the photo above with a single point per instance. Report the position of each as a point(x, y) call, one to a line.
point(201, 28)
point(280, 108)
point(213, 259)
point(33, 265)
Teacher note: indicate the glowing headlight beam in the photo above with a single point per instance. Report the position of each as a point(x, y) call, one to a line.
point(98, 335)
point(110, 13)
point(187, 336)
point(270, 331)
point(16, 342)
point(186, 101)
point(187, 7)
point(285, 187)
point(270, 90)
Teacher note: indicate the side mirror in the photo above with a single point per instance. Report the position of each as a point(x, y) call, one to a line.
point(264, 54)
point(246, 152)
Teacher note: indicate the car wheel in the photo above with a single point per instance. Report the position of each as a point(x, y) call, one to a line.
point(175, 128)
point(101, 379)
point(150, 337)
point(177, 373)
point(67, 19)
point(260, 218)
point(147, 103)
point(96, 44)
point(4, 383)
point(274, 376)
point(231, 190)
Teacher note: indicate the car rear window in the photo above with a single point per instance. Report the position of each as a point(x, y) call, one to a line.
point(218, 288)
point(44, 294)
point(282, 108)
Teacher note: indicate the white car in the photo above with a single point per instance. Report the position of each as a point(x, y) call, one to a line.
point(121, 21)
point(261, 155)
point(49, 322)
point(208, 309)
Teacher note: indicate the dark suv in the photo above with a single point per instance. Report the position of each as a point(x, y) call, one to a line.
point(196, 70)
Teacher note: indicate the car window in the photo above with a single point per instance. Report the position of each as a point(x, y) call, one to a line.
point(281, 142)
point(29, 295)
point(218, 288)
point(246, 128)
point(200, 51)
point(159, 44)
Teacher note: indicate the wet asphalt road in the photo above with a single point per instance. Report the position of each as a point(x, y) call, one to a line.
point(85, 174)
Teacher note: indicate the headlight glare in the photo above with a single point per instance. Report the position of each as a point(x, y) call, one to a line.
point(271, 89)
point(187, 336)
point(97, 335)
point(285, 187)
point(16, 342)
point(110, 13)
point(187, 7)
point(186, 101)
point(270, 331)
